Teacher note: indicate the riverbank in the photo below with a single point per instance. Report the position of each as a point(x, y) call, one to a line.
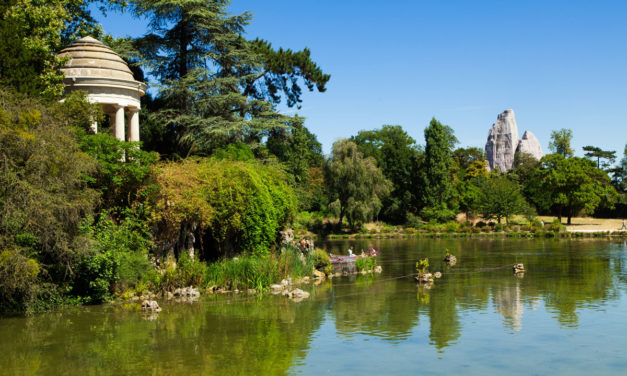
point(511, 234)
point(250, 274)
point(543, 227)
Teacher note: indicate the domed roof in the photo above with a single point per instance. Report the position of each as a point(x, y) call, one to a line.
point(91, 58)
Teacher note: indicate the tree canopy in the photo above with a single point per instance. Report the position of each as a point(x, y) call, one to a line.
point(356, 186)
point(32, 32)
point(597, 153)
point(437, 185)
point(215, 87)
point(499, 198)
point(569, 186)
point(560, 142)
point(396, 154)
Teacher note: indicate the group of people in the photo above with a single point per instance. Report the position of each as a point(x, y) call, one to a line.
point(370, 253)
point(305, 245)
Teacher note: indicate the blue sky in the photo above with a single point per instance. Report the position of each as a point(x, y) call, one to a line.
point(558, 64)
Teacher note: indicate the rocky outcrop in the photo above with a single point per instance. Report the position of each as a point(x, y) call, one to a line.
point(502, 142)
point(187, 291)
point(529, 144)
point(151, 306)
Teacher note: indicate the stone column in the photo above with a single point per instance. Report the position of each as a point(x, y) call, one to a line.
point(118, 125)
point(133, 126)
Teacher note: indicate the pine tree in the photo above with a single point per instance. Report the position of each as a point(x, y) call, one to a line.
point(437, 184)
point(216, 87)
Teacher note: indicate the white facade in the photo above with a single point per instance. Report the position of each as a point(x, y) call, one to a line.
point(107, 79)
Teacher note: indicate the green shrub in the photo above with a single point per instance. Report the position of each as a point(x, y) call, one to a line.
point(365, 263)
point(18, 278)
point(96, 275)
point(451, 226)
point(118, 259)
point(239, 204)
point(422, 266)
point(414, 221)
point(321, 259)
point(555, 226)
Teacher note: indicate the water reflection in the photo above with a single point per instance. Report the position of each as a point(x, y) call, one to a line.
point(476, 302)
point(509, 303)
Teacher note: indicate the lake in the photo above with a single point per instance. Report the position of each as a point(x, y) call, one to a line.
point(566, 315)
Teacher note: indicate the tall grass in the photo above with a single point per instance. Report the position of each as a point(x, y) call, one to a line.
point(259, 272)
point(249, 271)
point(365, 263)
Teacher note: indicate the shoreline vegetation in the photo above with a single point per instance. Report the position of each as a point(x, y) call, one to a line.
point(539, 227)
point(219, 172)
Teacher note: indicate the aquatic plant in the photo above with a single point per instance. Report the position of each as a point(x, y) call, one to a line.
point(365, 263)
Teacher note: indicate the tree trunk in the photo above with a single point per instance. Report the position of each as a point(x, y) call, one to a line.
point(339, 223)
point(570, 215)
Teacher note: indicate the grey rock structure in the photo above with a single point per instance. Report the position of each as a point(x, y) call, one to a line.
point(529, 144)
point(502, 142)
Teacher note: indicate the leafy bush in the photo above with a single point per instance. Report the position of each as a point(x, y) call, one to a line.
point(124, 171)
point(321, 259)
point(365, 263)
point(186, 272)
point(118, 258)
point(18, 276)
point(422, 266)
point(556, 226)
point(451, 226)
point(239, 205)
point(44, 194)
point(311, 221)
point(96, 275)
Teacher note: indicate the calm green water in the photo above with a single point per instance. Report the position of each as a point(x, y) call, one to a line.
point(567, 315)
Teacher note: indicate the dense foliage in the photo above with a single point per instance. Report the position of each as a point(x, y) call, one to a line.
point(355, 184)
point(84, 216)
point(437, 186)
point(397, 156)
point(216, 87)
point(43, 193)
point(569, 186)
point(231, 205)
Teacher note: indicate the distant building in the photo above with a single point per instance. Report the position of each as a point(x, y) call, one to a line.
point(107, 79)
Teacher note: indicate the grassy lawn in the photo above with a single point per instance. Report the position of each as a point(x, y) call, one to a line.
point(588, 224)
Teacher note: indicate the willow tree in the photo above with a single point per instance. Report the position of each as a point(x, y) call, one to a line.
point(396, 154)
point(356, 185)
point(216, 87)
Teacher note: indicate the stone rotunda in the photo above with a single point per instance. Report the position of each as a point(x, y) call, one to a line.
point(107, 79)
